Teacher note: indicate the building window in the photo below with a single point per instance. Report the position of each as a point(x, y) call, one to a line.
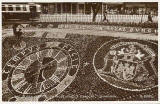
point(81, 8)
point(24, 8)
point(10, 8)
point(66, 8)
point(88, 8)
point(3, 8)
point(58, 8)
point(18, 8)
point(51, 8)
point(45, 8)
point(74, 8)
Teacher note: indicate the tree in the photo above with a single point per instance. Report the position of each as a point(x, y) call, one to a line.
point(95, 9)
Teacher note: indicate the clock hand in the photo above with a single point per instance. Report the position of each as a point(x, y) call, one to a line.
point(43, 67)
point(37, 72)
point(32, 74)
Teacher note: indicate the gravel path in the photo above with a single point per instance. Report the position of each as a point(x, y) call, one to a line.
point(61, 33)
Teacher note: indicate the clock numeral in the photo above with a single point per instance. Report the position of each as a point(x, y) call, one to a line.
point(39, 56)
point(62, 59)
point(30, 60)
point(20, 84)
point(47, 84)
point(62, 68)
point(28, 88)
point(21, 67)
point(50, 53)
point(16, 58)
point(17, 76)
point(11, 65)
point(55, 78)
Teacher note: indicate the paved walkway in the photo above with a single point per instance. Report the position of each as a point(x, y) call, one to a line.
point(61, 33)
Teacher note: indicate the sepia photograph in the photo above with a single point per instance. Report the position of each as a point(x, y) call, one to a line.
point(79, 51)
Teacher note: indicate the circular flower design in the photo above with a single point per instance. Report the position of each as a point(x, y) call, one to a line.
point(43, 70)
point(128, 65)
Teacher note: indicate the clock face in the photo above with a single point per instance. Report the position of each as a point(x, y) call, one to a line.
point(127, 64)
point(45, 70)
point(40, 71)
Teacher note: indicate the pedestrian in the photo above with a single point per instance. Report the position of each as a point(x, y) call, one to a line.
point(19, 44)
point(15, 29)
point(18, 34)
point(19, 37)
point(150, 17)
point(105, 15)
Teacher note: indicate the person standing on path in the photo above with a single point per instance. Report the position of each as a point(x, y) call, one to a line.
point(150, 17)
point(105, 14)
point(17, 32)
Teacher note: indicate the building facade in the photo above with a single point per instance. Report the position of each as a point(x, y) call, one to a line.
point(111, 8)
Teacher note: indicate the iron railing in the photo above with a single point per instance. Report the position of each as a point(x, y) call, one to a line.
point(99, 18)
